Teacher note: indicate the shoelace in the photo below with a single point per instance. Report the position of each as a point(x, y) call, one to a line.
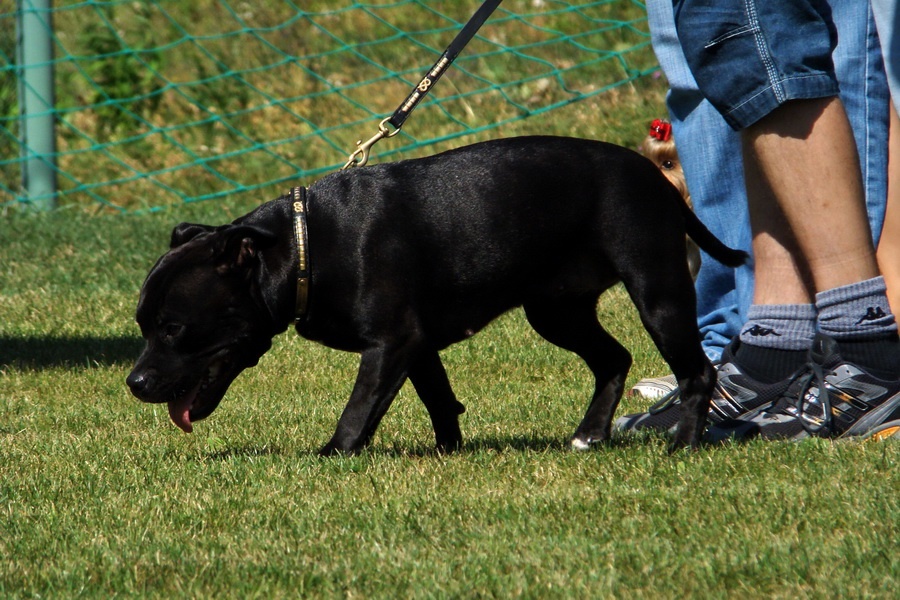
point(810, 376)
point(670, 399)
point(673, 397)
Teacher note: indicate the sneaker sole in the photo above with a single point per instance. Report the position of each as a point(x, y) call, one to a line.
point(629, 423)
point(871, 422)
point(886, 431)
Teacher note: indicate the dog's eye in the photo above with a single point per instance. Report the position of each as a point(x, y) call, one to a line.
point(171, 331)
point(667, 165)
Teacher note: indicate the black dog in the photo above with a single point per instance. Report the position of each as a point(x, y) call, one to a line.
point(398, 261)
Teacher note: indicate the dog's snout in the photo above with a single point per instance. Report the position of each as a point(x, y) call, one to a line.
point(138, 381)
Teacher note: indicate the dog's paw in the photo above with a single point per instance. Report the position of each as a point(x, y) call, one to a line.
point(328, 450)
point(448, 437)
point(581, 444)
point(332, 449)
point(677, 447)
point(449, 446)
point(681, 442)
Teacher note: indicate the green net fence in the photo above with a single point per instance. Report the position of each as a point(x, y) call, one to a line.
point(164, 102)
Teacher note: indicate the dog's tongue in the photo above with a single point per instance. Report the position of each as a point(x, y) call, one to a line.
point(180, 412)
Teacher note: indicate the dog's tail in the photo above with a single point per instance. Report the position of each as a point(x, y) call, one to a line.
point(708, 242)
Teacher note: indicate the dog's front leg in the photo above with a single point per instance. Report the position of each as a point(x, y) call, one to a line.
point(430, 380)
point(382, 371)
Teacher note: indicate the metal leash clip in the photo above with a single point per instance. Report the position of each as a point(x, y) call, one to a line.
point(360, 156)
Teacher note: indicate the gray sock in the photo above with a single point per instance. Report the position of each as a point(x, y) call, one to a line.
point(856, 312)
point(780, 326)
point(858, 317)
point(775, 340)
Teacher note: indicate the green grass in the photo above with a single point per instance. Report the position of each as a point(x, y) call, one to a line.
point(101, 496)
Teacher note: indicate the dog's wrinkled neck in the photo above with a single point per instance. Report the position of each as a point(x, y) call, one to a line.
point(278, 265)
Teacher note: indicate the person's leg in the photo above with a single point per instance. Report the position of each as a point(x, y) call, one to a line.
point(780, 90)
point(887, 18)
point(811, 233)
point(889, 246)
point(784, 286)
point(709, 151)
point(812, 239)
point(806, 197)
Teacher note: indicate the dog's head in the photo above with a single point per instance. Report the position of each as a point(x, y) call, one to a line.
point(659, 146)
point(203, 319)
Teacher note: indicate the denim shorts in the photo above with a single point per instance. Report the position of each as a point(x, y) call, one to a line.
point(750, 56)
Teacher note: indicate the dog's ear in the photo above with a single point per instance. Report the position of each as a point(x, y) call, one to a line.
point(185, 232)
point(240, 245)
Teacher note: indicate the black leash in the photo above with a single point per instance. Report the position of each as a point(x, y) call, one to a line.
point(361, 155)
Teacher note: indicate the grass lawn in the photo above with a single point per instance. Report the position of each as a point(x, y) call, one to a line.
point(101, 495)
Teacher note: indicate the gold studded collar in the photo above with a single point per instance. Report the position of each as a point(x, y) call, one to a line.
point(298, 208)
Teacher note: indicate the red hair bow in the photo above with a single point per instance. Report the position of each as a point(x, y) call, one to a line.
point(661, 130)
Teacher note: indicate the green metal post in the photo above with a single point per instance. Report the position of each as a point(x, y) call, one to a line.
point(36, 103)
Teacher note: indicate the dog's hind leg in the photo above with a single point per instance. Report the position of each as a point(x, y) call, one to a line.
point(571, 323)
point(428, 376)
point(667, 310)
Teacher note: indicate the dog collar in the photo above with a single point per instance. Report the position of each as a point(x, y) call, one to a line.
point(298, 199)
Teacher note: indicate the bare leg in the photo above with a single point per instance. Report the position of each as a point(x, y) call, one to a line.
point(802, 213)
point(889, 246)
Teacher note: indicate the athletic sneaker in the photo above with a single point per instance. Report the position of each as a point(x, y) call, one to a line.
point(735, 394)
point(830, 398)
point(653, 388)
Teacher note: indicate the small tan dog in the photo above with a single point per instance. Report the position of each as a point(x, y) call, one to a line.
point(659, 146)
